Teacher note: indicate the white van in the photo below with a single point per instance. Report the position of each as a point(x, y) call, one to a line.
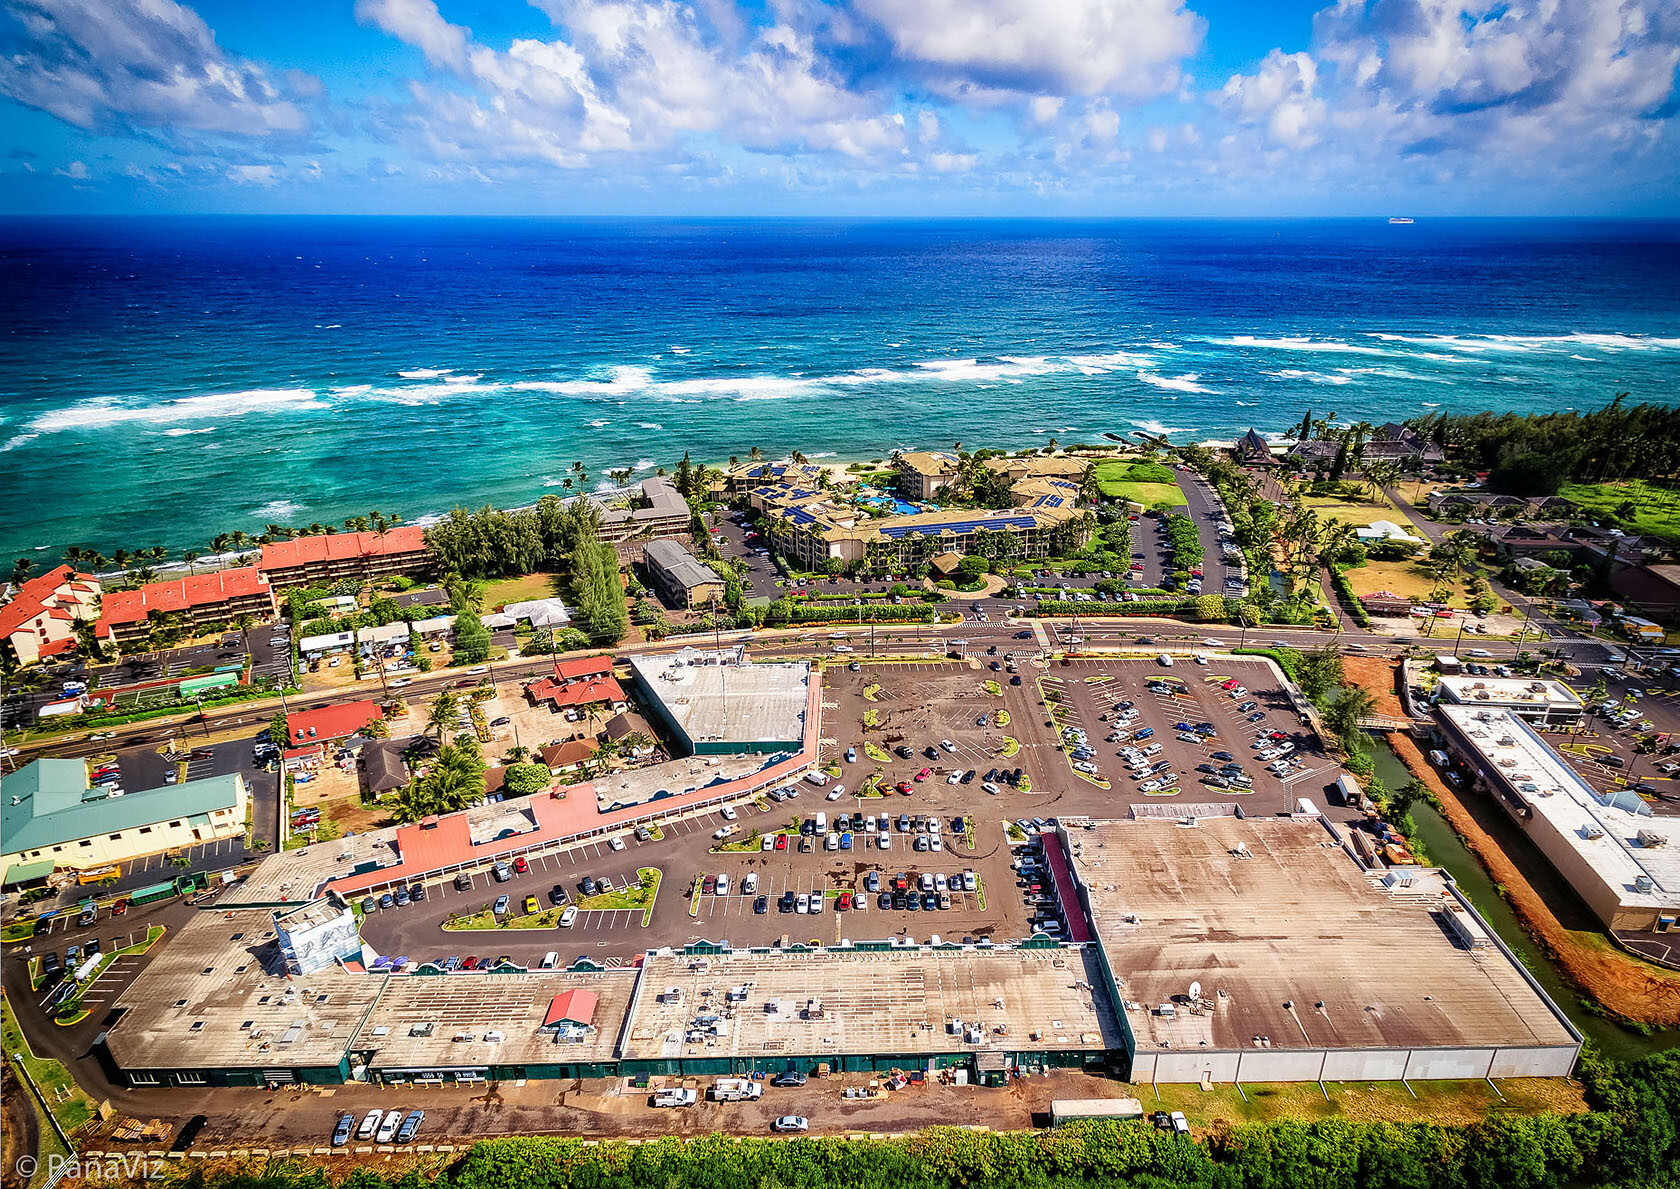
point(816, 778)
point(822, 822)
point(1164, 661)
point(549, 961)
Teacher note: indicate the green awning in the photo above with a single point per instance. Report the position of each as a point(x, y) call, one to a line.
point(26, 872)
point(199, 819)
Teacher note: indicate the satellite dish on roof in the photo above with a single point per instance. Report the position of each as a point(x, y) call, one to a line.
point(1195, 992)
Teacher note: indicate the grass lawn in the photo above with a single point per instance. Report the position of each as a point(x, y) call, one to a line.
point(1146, 483)
point(1359, 514)
point(1450, 1103)
point(1403, 578)
point(69, 1103)
point(1164, 496)
point(1657, 509)
point(518, 590)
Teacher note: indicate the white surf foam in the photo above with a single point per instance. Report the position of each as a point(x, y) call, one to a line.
point(106, 411)
point(1184, 383)
point(22, 439)
point(352, 390)
point(1155, 427)
point(1289, 343)
point(649, 425)
point(277, 510)
point(179, 432)
point(1295, 373)
point(422, 373)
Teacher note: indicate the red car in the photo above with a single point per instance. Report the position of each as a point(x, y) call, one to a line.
point(470, 964)
point(1278, 735)
point(904, 787)
point(924, 774)
point(781, 842)
point(1229, 683)
point(709, 885)
point(521, 864)
point(844, 902)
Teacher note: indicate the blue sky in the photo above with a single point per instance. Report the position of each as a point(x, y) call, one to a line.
point(922, 107)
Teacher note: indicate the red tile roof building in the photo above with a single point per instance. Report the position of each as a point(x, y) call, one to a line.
point(40, 619)
point(578, 693)
point(199, 599)
point(305, 560)
point(331, 722)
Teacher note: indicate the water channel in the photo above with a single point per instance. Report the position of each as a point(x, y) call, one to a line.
point(1447, 850)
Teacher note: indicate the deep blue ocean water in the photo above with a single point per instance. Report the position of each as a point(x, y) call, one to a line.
point(162, 380)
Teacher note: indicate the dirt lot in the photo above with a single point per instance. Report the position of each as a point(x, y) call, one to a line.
point(1377, 676)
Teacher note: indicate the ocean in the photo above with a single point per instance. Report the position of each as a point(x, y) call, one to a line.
point(163, 380)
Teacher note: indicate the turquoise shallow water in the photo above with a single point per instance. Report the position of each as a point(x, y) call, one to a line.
point(164, 380)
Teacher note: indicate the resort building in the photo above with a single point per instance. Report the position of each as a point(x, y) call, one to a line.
point(192, 602)
point(921, 473)
point(680, 579)
point(1543, 703)
point(1259, 950)
point(1609, 847)
point(658, 510)
point(817, 529)
point(305, 561)
point(754, 475)
point(1402, 444)
point(1252, 450)
point(50, 817)
point(720, 703)
point(38, 622)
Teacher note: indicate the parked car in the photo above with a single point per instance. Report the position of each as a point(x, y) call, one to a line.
point(792, 1123)
point(341, 1133)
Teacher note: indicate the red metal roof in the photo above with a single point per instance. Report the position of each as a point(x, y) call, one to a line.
point(1067, 893)
point(575, 667)
point(181, 594)
point(331, 722)
point(283, 555)
point(577, 1006)
point(32, 598)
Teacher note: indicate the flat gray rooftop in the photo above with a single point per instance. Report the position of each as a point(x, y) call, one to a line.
point(770, 1006)
point(447, 1021)
point(1272, 911)
point(714, 699)
point(213, 998)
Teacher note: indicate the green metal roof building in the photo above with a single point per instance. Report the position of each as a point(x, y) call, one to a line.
point(48, 813)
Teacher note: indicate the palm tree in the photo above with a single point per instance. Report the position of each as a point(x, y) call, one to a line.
point(755, 454)
point(190, 556)
point(442, 714)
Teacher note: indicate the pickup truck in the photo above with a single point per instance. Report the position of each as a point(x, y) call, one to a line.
point(737, 1090)
point(676, 1096)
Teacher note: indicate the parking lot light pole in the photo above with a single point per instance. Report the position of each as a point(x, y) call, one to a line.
point(1462, 625)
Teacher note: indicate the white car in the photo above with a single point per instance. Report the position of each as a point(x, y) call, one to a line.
point(768, 842)
point(569, 917)
point(792, 1123)
point(803, 904)
point(388, 1129)
point(947, 745)
point(723, 832)
point(615, 843)
point(749, 883)
point(836, 794)
point(954, 778)
point(991, 788)
point(727, 813)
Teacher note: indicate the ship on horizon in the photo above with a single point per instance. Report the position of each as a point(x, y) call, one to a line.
point(1400, 219)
